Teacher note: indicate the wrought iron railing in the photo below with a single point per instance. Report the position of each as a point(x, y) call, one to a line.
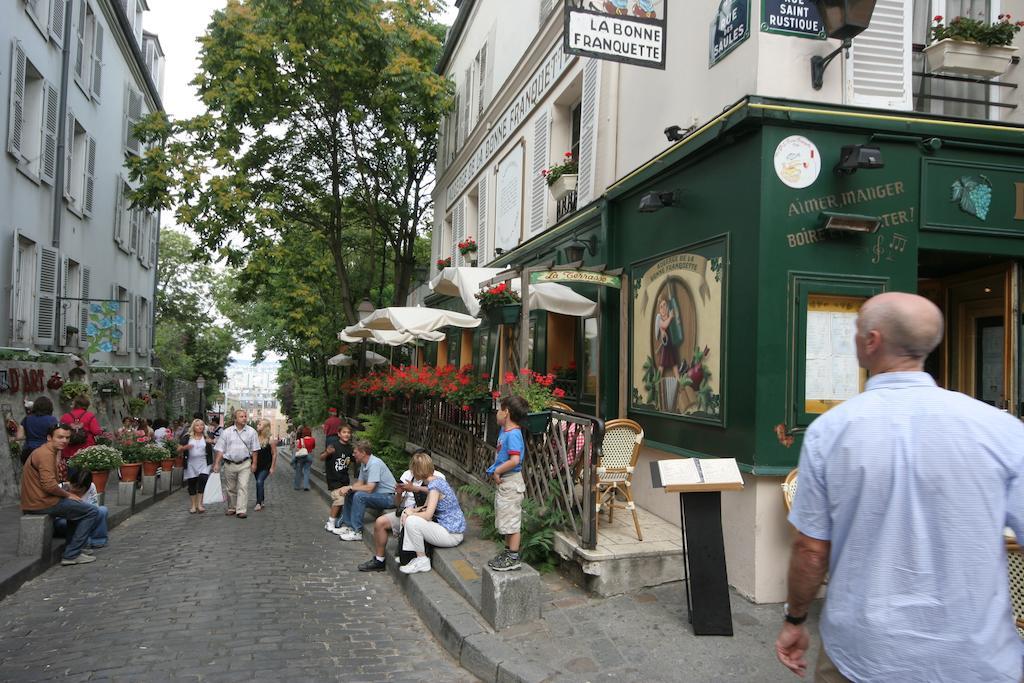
point(565, 206)
point(972, 93)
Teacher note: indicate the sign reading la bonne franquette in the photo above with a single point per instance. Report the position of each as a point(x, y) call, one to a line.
point(584, 277)
point(619, 38)
point(546, 75)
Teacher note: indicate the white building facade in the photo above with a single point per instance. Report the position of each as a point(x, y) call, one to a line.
point(78, 74)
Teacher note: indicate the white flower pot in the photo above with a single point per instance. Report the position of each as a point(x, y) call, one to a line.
point(565, 184)
point(969, 59)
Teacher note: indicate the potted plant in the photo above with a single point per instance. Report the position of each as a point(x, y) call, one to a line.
point(539, 391)
point(99, 460)
point(109, 388)
point(465, 389)
point(562, 178)
point(971, 46)
point(69, 390)
point(443, 263)
point(136, 406)
point(151, 456)
point(176, 458)
point(131, 455)
point(500, 304)
point(467, 248)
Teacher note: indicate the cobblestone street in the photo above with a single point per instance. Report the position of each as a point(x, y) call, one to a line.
point(214, 598)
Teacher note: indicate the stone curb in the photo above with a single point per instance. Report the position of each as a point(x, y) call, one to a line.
point(455, 624)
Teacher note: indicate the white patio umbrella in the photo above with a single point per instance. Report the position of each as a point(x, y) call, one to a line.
point(345, 360)
point(464, 282)
point(389, 337)
point(415, 320)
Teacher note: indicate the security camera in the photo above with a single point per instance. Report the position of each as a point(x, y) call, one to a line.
point(674, 133)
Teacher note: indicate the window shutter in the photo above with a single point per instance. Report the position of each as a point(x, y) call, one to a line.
point(135, 220)
point(129, 318)
point(539, 190)
point(467, 103)
point(83, 308)
point(89, 187)
point(588, 131)
point(119, 346)
point(119, 226)
point(57, 22)
point(482, 82)
point(97, 61)
point(133, 112)
point(145, 235)
point(62, 310)
point(481, 221)
point(69, 153)
point(545, 9)
point(16, 125)
point(51, 119)
point(46, 294)
point(80, 38)
point(154, 242)
point(459, 227)
point(15, 284)
point(878, 70)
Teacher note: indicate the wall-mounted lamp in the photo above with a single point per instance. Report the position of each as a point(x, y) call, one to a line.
point(574, 250)
point(498, 251)
point(850, 222)
point(843, 20)
point(656, 201)
point(853, 157)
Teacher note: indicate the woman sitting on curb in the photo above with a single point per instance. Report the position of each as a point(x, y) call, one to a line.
point(446, 532)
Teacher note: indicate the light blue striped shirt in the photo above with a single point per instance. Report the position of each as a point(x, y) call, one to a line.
point(913, 486)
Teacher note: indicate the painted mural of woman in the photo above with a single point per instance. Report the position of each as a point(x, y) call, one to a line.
point(668, 353)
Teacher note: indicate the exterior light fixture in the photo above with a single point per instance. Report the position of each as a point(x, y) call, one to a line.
point(498, 251)
point(843, 20)
point(850, 222)
point(858, 156)
point(656, 201)
point(365, 308)
point(574, 250)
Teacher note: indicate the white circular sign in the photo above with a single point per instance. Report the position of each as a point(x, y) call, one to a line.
point(797, 162)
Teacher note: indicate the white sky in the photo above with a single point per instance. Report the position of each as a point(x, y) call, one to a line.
point(179, 25)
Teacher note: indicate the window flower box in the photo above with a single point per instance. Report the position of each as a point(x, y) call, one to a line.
point(563, 185)
point(968, 58)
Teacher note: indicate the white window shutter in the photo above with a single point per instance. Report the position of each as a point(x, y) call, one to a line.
point(16, 293)
point(57, 22)
point(16, 115)
point(51, 121)
point(588, 131)
point(62, 309)
point(133, 112)
point(154, 243)
point(97, 61)
point(459, 228)
point(119, 347)
point(46, 294)
point(89, 186)
point(69, 153)
point(481, 221)
point(133, 229)
point(878, 70)
point(83, 307)
point(538, 185)
point(119, 226)
point(129, 318)
point(80, 42)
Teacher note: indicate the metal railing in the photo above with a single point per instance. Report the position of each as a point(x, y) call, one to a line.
point(565, 206)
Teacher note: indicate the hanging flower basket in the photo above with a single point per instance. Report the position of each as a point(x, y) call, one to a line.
point(563, 185)
point(506, 314)
point(537, 423)
point(969, 59)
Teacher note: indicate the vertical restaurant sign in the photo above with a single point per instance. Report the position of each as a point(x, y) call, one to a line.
point(730, 28)
point(617, 35)
point(792, 18)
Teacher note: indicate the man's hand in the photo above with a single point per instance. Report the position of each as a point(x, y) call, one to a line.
point(74, 496)
point(253, 467)
point(272, 469)
point(216, 469)
point(791, 646)
point(496, 477)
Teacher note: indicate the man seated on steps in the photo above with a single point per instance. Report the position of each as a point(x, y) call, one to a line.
point(375, 488)
point(41, 494)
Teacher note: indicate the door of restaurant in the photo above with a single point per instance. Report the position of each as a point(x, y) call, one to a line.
point(980, 299)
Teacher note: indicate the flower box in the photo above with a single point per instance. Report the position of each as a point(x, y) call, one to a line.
point(563, 185)
point(969, 59)
point(506, 314)
point(537, 423)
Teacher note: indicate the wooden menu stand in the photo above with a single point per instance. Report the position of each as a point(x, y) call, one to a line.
point(704, 573)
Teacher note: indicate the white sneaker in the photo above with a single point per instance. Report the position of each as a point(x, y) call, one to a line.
point(417, 564)
point(329, 527)
point(350, 535)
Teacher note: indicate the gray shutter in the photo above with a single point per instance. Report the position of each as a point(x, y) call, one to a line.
point(16, 115)
point(481, 220)
point(119, 212)
point(588, 131)
point(129, 321)
point(51, 124)
point(538, 186)
point(878, 72)
point(545, 9)
point(133, 112)
point(459, 228)
point(62, 309)
point(46, 294)
point(15, 284)
point(57, 22)
point(134, 222)
point(482, 82)
point(89, 186)
point(97, 60)
point(119, 347)
point(83, 307)
point(154, 243)
point(69, 153)
point(80, 38)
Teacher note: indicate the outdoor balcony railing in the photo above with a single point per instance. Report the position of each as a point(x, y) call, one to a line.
point(957, 95)
point(565, 206)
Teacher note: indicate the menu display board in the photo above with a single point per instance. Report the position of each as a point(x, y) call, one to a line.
point(832, 373)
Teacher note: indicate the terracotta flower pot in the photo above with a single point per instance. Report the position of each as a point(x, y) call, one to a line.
point(149, 467)
point(100, 479)
point(179, 462)
point(167, 464)
point(130, 471)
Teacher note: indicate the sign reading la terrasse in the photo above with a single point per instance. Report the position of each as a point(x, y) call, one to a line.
point(578, 276)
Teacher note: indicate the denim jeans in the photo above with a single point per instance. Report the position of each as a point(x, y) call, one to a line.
point(261, 478)
point(86, 515)
point(356, 503)
point(301, 464)
point(99, 536)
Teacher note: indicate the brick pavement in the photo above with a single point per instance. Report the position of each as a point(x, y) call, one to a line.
point(214, 598)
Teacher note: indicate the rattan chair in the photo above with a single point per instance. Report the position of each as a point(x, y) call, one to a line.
point(1015, 565)
point(565, 408)
point(789, 489)
point(619, 453)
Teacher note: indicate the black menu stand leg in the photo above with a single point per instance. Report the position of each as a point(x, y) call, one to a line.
point(707, 599)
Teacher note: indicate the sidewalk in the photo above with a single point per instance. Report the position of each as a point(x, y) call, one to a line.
point(580, 637)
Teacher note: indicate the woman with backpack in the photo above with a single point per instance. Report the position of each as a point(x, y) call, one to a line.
point(84, 427)
point(303, 460)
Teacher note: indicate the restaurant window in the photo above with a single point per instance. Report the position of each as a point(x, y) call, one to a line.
point(590, 361)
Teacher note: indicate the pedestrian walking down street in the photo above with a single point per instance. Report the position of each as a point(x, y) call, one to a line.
point(905, 490)
point(196, 449)
point(236, 447)
point(265, 462)
point(302, 459)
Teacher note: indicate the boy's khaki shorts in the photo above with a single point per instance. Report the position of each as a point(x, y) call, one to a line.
point(337, 498)
point(508, 503)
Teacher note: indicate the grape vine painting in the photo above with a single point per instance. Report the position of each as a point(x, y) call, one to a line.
point(973, 194)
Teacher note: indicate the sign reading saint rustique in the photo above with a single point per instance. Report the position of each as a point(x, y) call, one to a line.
point(792, 18)
point(616, 35)
point(578, 276)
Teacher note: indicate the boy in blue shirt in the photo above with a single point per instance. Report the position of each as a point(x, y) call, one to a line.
point(507, 473)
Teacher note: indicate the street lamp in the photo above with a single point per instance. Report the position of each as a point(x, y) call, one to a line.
point(843, 20)
point(200, 385)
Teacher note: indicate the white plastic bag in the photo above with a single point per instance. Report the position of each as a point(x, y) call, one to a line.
point(301, 452)
point(214, 492)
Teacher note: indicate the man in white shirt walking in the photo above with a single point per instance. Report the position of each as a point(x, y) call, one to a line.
point(237, 446)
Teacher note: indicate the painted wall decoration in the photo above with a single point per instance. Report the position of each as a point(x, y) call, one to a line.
point(105, 327)
point(677, 333)
point(973, 194)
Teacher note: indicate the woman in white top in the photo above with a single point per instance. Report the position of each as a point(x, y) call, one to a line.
point(197, 470)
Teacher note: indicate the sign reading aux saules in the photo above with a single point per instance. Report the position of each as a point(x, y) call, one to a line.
point(730, 28)
point(618, 36)
point(540, 83)
point(578, 276)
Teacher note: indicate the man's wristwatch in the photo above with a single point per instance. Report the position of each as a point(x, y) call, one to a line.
point(790, 619)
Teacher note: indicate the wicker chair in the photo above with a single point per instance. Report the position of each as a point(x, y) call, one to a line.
point(565, 408)
point(1015, 564)
point(789, 489)
point(620, 451)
